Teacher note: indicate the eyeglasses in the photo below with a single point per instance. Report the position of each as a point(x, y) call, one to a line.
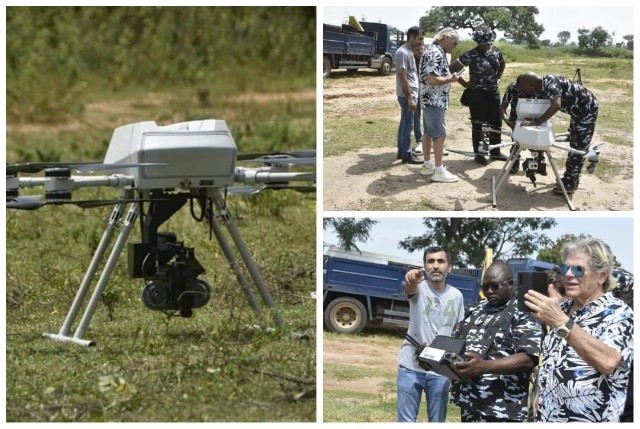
point(577, 270)
point(494, 286)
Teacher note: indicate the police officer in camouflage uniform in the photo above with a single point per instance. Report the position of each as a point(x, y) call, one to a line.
point(486, 65)
point(502, 346)
point(510, 100)
point(568, 97)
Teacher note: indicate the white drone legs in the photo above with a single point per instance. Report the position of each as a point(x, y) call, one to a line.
point(497, 181)
point(227, 218)
point(77, 338)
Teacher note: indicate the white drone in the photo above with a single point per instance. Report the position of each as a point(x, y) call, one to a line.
point(539, 140)
point(163, 167)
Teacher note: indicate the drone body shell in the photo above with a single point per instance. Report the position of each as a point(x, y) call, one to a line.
point(193, 154)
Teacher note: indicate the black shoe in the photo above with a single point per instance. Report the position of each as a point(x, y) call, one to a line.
point(499, 156)
point(399, 156)
point(411, 159)
point(515, 167)
point(570, 188)
point(480, 159)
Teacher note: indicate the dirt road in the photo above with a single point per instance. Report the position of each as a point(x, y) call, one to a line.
point(370, 178)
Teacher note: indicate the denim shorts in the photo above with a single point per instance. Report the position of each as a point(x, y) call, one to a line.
point(434, 123)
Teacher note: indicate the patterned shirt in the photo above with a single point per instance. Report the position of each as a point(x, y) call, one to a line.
point(495, 333)
point(575, 99)
point(483, 67)
point(434, 61)
point(572, 390)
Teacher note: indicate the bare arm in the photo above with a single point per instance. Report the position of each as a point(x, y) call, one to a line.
point(404, 82)
point(413, 279)
point(505, 117)
point(433, 79)
point(597, 354)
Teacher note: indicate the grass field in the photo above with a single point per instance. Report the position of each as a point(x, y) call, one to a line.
point(611, 79)
point(361, 390)
point(215, 366)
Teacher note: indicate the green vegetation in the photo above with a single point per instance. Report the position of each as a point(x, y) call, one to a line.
point(219, 365)
point(56, 56)
point(378, 402)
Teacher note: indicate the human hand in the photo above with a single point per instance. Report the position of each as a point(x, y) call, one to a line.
point(412, 105)
point(528, 123)
point(473, 366)
point(414, 277)
point(545, 308)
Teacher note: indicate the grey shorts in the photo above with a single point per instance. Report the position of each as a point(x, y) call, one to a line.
point(434, 122)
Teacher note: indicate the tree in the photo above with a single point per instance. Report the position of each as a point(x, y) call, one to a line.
point(563, 37)
point(594, 39)
point(517, 22)
point(629, 39)
point(545, 42)
point(553, 254)
point(350, 230)
point(466, 239)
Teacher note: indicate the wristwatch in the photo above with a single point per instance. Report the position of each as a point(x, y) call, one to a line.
point(563, 330)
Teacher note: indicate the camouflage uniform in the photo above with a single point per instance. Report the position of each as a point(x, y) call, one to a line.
point(484, 99)
point(495, 333)
point(582, 105)
point(572, 390)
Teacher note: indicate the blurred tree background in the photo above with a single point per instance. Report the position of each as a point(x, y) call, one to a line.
point(58, 58)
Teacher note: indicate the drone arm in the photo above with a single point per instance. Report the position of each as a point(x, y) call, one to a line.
point(257, 176)
point(71, 183)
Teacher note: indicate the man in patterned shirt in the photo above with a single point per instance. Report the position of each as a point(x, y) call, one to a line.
point(569, 97)
point(486, 65)
point(588, 352)
point(502, 346)
point(435, 84)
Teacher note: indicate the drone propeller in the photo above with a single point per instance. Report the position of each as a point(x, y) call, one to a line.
point(253, 190)
point(33, 202)
point(283, 161)
point(36, 167)
point(593, 152)
point(303, 153)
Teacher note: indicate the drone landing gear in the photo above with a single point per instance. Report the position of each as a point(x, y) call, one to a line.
point(114, 220)
point(156, 295)
point(531, 167)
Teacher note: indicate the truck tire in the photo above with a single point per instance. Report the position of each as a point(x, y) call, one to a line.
point(326, 67)
point(385, 68)
point(345, 315)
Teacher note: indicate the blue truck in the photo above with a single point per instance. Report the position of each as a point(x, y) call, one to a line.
point(363, 288)
point(351, 48)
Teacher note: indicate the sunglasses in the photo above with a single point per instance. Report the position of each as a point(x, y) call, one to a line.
point(494, 286)
point(577, 270)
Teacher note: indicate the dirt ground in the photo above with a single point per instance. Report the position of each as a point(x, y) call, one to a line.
point(366, 351)
point(356, 180)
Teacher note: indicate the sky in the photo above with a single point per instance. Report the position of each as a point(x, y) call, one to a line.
point(618, 19)
point(617, 232)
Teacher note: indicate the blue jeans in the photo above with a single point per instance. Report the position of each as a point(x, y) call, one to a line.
point(410, 386)
point(417, 125)
point(404, 128)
